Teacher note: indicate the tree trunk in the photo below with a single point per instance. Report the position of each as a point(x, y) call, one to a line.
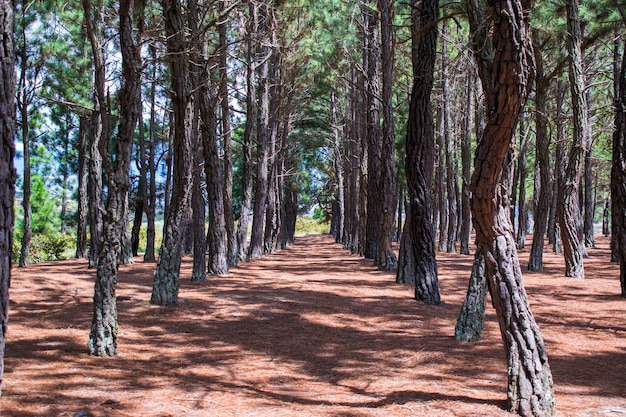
point(81, 224)
point(198, 204)
point(249, 130)
point(386, 257)
point(166, 275)
point(142, 189)
point(339, 219)
point(149, 255)
point(469, 324)
point(441, 211)
point(449, 149)
point(420, 148)
point(263, 133)
point(618, 173)
point(466, 162)
point(7, 170)
point(530, 391)
point(371, 64)
point(101, 132)
point(522, 213)
point(569, 212)
point(104, 326)
point(232, 249)
point(542, 167)
point(27, 230)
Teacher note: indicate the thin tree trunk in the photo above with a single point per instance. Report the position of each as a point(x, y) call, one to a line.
point(142, 189)
point(542, 167)
point(339, 171)
point(27, 230)
point(419, 264)
point(466, 162)
point(386, 257)
point(522, 213)
point(232, 249)
point(104, 326)
point(371, 65)
point(263, 134)
point(166, 275)
point(81, 225)
point(618, 173)
point(149, 255)
point(569, 212)
point(249, 130)
point(440, 180)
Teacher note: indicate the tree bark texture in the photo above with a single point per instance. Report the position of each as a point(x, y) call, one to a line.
point(371, 64)
point(27, 229)
point(101, 132)
point(232, 249)
point(618, 173)
point(471, 320)
point(569, 212)
point(8, 175)
point(466, 163)
point(249, 131)
point(542, 167)
point(149, 255)
point(166, 275)
point(263, 130)
point(386, 258)
point(522, 174)
point(81, 224)
point(104, 326)
point(420, 148)
point(530, 391)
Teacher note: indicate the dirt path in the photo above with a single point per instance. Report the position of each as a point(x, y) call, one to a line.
point(309, 331)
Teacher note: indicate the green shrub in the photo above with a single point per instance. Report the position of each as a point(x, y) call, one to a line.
point(43, 247)
point(306, 225)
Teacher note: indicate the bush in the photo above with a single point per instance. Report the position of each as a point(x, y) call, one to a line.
point(43, 247)
point(306, 225)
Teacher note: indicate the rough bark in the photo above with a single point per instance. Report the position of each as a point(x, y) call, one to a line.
point(466, 163)
point(8, 175)
point(569, 212)
point(618, 173)
point(232, 249)
point(386, 257)
point(419, 161)
point(81, 211)
point(27, 229)
point(542, 167)
point(142, 189)
point(371, 65)
point(469, 324)
point(530, 391)
point(104, 326)
point(101, 132)
point(263, 132)
point(166, 275)
point(339, 218)
point(249, 130)
point(150, 203)
point(522, 170)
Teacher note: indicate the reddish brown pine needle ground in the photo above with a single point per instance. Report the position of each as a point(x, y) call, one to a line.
point(308, 331)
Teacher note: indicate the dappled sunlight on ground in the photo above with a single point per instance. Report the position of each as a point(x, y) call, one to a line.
point(309, 331)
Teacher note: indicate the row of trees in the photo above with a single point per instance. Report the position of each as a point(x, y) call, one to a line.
point(244, 108)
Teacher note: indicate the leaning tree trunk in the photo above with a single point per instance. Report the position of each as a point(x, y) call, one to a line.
point(569, 212)
point(420, 148)
point(530, 391)
point(166, 276)
point(469, 324)
point(7, 169)
point(104, 326)
point(618, 173)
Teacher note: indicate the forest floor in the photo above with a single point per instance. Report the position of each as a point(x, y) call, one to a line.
point(309, 331)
